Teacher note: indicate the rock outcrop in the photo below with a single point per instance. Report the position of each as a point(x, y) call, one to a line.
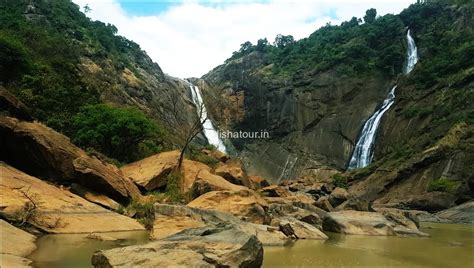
point(463, 213)
point(244, 204)
point(150, 173)
point(369, 223)
point(44, 153)
point(16, 244)
point(215, 246)
point(171, 219)
point(52, 209)
point(233, 171)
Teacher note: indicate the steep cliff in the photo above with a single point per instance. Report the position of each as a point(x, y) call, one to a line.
point(314, 96)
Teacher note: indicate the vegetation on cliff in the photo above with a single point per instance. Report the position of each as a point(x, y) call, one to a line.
point(47, 49)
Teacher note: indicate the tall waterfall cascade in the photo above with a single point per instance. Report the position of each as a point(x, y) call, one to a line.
point(363, 151)
point(209, 130)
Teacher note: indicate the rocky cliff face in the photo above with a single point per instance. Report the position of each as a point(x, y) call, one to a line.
point(314, 117)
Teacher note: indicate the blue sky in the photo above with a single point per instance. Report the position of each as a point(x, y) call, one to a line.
point(188, 38)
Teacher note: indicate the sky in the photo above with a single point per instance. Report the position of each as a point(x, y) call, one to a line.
point(188, 38)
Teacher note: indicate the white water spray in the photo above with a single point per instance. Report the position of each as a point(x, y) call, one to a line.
point(363, 151)
point(209, 130)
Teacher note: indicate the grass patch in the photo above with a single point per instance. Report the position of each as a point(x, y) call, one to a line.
point(443, 185)
point(340, 180)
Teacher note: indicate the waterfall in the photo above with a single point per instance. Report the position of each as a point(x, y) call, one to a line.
point(363, 153)
point(363, 150)
point(209, 130)
point(412, 53)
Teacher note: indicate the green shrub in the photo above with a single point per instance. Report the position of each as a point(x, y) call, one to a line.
point(173, 186)
point(340, 180)
point(144, 212)
point(443, 185)
point(125, 134)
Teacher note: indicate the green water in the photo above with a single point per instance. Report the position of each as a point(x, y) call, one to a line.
point(450, 245)
point(74, 250)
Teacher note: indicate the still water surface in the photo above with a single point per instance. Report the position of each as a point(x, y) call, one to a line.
point(450, 245)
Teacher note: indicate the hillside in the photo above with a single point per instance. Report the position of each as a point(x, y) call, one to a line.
point(315, 94)
point(63, 66)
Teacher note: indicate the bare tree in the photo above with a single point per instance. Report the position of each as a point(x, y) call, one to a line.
point(196, 128)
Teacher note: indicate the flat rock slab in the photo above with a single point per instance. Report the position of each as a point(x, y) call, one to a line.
point(358, 223)
point(53, 209)
point(463, 213)
point(217, 246)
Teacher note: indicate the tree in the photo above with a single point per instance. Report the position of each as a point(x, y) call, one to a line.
point(125, 134)
point(262, 44)
point(370, 15)
point(245, 47)
point(282, 41)
point(87, 9)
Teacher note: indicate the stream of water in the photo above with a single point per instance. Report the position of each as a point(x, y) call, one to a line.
point(450, 245)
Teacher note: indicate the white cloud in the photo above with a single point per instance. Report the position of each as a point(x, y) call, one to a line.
point(190, 39)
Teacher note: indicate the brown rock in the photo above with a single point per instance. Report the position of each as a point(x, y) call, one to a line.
point(94, 197)
point(338, 196)
point(191, 169)
point(323, 202)
point(214, 246)
point(300, 230)
point(15, 241)
point(53, 157)
point(54, 209)
point(275, 191)
point(207, 182)
point(244, 203)
point(257, 182)
point(216, 154)
point(151, 172)
point(233, 171)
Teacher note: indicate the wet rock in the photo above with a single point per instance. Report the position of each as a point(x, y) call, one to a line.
point(52, 209)
point(151, 172)
point(215, 246)
point(57, 159)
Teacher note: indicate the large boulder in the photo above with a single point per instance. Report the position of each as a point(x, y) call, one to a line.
point(370, 223)
point(205, 182)
point(338, 196)
point(47, 154)
point(52, 209)
point(16, 244)
point(94, 197)
point(463, 213)
point(233, 171)
point(299, 230)
point(213, 246)
point(357, 222)
point(171, 219)
point(245, 204)
point(151, 172)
